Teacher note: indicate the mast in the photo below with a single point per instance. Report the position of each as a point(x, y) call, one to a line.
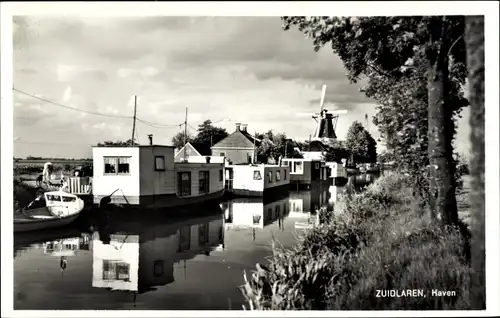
point(135, 113)
point(185, 132)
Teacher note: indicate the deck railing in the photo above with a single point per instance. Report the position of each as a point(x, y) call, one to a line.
point(79, 185)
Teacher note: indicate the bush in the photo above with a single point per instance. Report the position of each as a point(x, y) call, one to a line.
point(379, 243)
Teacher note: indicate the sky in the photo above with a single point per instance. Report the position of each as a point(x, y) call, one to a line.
point(226, 69)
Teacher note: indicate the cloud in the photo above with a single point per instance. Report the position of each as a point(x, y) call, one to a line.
point(245, 68)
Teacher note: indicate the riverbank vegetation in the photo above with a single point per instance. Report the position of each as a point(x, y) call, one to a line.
point(378, 242)
point(404, 232)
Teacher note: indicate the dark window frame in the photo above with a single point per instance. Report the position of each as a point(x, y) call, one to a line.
point(181, 187)
point(206, 182)
point(117, 164)
point(156, 163)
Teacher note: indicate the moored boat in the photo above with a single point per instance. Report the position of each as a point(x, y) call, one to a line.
point(55, 209)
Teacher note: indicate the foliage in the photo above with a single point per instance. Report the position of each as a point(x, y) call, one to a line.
point(118, 143)
point(390, 49)
point(208, 134)
point(178, 139)
point(341, 264)
point(273, 146)
point(360, 144)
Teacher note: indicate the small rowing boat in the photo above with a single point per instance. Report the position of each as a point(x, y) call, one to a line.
point(54, 209)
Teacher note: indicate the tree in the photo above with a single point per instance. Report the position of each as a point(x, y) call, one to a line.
point(360, 144)
point(387, 46)
point(178, 139)
point(208, 134)
point(474, 36)
point(119, 143)
point(275, 145)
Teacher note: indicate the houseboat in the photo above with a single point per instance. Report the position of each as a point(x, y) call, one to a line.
point(257, 180)
point(141, 262)
point(147, 177)
point(253, 212)
point(305, 172)
point(337, 170)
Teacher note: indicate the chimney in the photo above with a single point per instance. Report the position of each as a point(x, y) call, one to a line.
point(150, 136)
point(238, 125)
point(244, 127)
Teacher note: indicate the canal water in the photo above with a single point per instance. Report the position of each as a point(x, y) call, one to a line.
point(161, 263)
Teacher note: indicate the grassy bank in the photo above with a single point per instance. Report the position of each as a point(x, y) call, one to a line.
point(379, 242)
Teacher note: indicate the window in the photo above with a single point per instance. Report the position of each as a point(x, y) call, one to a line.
point(221, 175)
point(159, 163)
point(298, 167)
point(203, 234)
point(203, 182)
point(222, 154)
point(68, 199)
point(249, 158)
point(184, 183)
point(116, 165)
point(184, 239)
point(158, 268)
point(115, 270)
point(278, 176)
point(256, 175)
point(284, 174)
point(256, 219)
point(270, 176)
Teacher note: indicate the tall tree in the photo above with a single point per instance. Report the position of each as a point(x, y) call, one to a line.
point(178, 139)
point(208, 134)
point(360, 144)
point(474, 36)
point(386, 45)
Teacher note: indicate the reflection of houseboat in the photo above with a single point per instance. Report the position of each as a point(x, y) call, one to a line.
point(257, 180)
point(304, 172)
point(253, 212)
point(139, 262)
point(308, 201)
point(148, 177)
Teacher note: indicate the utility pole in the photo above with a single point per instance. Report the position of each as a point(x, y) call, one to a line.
point(135, 113)
point(185, 133)
point(254, 137)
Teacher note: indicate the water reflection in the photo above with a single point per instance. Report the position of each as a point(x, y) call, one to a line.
point(143, 261)
point(152, 261)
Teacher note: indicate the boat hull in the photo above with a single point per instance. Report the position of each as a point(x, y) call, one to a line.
point(162, 202)
point(26, 225)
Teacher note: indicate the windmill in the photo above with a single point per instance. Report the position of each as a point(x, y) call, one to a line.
point(326, 120)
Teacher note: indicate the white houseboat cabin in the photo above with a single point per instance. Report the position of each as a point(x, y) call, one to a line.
point(257, 180)
point(148, 177)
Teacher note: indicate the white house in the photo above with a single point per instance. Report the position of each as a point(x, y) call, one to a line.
point(147, 176)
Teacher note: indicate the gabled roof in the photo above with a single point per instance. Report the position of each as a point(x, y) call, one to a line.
point(202, 149)
point(199, 148)
point(238, 139)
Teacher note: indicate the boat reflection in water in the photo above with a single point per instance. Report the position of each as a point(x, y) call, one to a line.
point(140, 262)
point(254, 213)
point(305, 204)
